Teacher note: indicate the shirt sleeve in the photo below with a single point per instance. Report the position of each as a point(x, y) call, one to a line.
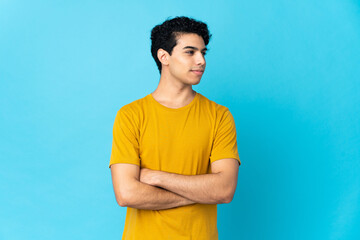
point(125, 144)
point(225, 143)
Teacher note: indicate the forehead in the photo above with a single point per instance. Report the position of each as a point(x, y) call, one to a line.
point(190, 39)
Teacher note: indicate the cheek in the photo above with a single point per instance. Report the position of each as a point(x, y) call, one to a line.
point(180, 71)
point(180, 67)
point(182, 63)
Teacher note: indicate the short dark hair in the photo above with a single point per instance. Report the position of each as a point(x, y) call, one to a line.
point(165, 35)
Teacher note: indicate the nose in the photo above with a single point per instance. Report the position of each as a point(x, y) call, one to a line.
point(200, 59)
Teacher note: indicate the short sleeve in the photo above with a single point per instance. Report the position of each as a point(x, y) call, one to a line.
point(225, 144)
point(125, 144)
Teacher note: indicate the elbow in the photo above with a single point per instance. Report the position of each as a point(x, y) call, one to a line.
point(228, 199)
point(227, 196)
point(121, 202)
point(123, 198)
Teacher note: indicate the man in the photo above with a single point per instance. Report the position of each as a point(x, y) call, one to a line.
point(174, 153)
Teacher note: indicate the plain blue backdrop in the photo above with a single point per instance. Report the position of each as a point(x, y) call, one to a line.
point(289, 71)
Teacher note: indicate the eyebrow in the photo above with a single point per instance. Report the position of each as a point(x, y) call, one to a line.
point(195, 48)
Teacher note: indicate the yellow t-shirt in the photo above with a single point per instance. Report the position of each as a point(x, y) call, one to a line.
point(183, 141)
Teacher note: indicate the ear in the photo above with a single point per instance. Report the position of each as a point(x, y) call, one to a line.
point(163, 56)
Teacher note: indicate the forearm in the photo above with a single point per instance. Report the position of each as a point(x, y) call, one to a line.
point(144, 196)
point(206, 188)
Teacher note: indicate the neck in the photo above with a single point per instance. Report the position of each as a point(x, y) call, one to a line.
point(173, 93)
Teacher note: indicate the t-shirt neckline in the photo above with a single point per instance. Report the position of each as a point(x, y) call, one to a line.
point(175, 109)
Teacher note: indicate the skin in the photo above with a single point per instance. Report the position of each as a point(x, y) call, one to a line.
point(177, 78)
point(156, 190)
point(217, 187)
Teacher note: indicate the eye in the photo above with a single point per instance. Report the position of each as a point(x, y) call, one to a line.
point(203, 53)
point(190, 52)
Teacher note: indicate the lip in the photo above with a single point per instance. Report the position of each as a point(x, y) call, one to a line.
point(197, 72)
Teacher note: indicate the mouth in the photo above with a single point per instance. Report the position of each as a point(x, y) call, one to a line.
point(198, 72)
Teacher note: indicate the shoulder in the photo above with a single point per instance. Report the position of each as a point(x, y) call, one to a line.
point(217, 109)
point(133, 111)
point(133, 107)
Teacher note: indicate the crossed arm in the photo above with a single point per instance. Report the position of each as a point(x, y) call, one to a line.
point(151, 189)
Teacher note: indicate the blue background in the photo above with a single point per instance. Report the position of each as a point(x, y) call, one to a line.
point(288, 71)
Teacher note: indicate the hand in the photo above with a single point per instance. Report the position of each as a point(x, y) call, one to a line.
point(149, 176)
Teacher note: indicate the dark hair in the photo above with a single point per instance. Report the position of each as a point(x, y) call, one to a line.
point(165, 35)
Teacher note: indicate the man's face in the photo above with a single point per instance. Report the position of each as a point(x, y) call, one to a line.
point(187, 62)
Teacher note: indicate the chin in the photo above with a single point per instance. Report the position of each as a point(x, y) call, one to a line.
point(196, 83)
point(193, 82)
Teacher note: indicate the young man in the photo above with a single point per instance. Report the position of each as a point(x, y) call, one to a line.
point(174, 154)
